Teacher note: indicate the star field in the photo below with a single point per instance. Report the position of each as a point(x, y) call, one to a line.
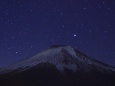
point(29, 26)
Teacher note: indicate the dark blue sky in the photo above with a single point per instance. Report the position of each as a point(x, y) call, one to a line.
point(29, 26)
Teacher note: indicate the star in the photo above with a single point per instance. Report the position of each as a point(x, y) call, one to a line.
point(84, 8)
point(74, 35)
point(31, 46)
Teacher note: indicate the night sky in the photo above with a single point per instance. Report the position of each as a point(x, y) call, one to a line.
point(29, 26)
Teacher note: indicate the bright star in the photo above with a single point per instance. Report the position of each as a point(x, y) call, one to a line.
point(74, 35)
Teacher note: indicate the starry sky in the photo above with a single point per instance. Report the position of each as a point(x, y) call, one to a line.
point(29, 26)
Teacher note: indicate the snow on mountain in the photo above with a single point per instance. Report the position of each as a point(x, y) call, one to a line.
point(61, 56)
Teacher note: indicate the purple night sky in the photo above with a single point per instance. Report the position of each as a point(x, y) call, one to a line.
point(29, 26)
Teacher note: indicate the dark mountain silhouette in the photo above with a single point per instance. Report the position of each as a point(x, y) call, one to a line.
point(58, 66)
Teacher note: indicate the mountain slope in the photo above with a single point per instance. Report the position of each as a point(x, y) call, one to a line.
point(59, 66)
point(61, 56)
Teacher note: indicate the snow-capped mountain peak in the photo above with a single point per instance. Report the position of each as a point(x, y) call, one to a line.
point(62, 57)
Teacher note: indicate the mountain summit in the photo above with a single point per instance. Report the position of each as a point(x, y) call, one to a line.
point(59, 64)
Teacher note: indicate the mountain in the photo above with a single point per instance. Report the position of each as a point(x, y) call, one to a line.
point(58, 66)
